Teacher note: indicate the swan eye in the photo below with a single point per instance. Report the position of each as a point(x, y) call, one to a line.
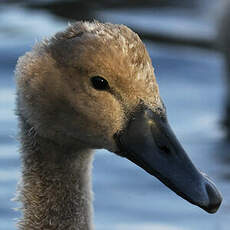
point(99, 83)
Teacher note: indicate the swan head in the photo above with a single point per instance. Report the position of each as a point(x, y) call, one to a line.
point(94, 84)
point(56, 81)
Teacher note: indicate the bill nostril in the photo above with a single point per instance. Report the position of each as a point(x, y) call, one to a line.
point(164, 148)
point(160, 143)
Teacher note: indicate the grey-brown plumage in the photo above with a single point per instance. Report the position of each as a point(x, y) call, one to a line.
point(62, 117)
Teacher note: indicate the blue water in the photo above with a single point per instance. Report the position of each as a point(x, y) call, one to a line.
point(192, 86)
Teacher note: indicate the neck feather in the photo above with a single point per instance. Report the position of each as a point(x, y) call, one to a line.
point(56, 184)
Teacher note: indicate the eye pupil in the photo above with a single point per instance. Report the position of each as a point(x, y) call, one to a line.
point(99, 83)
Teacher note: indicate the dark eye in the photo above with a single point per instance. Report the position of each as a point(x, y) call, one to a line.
point(99, 83)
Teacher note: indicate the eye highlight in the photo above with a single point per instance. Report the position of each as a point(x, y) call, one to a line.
point(99, 83)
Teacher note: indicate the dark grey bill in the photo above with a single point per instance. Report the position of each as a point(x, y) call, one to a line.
point(149, 142)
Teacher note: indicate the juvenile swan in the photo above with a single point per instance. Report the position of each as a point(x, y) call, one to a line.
point(91, 87)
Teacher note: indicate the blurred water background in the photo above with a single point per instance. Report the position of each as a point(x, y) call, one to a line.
point(180, 36)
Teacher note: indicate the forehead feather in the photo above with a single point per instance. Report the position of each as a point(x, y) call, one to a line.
point(114, 47)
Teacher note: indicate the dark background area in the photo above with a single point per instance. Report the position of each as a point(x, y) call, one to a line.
point(182, 38)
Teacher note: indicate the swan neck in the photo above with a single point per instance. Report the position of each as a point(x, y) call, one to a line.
point(56, 184)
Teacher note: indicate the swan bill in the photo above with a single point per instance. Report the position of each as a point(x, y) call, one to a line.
point(149, 142)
